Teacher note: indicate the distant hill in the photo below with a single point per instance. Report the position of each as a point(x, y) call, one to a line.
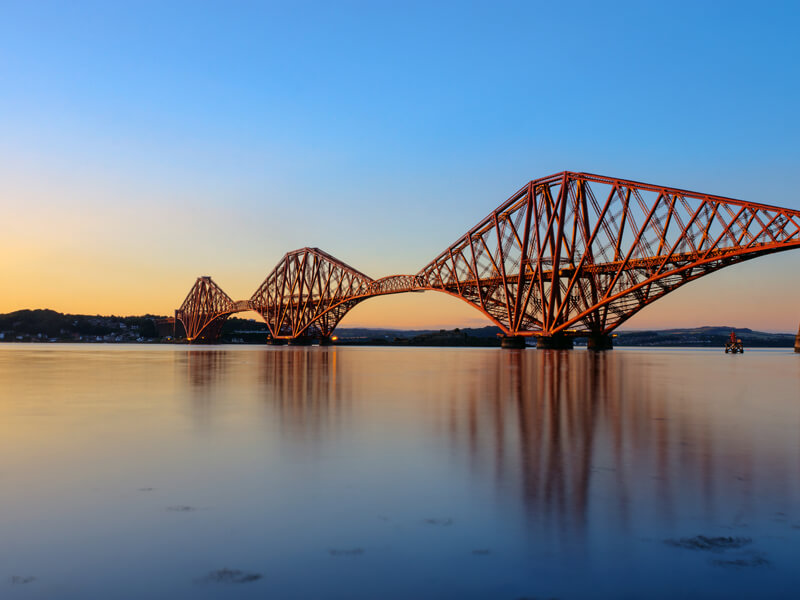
point(699, 337)
point(354, 333)
point(482, 336)
point(49, 325)
point(709, 337)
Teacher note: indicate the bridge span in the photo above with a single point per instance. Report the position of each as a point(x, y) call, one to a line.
point(568, 255)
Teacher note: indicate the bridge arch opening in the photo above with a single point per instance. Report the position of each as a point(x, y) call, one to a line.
point(720, 299)
point(427, 310)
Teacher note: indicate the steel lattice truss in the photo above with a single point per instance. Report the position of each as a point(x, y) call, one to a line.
point(205, 309)
point(572, 254)
point(308, 293)
point(579, 253)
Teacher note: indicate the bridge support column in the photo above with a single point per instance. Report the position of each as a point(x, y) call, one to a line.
point(325, 341)
point(276, 342)
point(300, 340)
point(558, 341)
point(797, 342)
point(599, 341)
point(513, 342)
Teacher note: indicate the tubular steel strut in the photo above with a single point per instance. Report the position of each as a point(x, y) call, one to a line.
point(572, 254)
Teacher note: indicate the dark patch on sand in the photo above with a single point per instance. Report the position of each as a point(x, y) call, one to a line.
point(21, 580)
point(346, 551)
point(780, 517)
point(756, 560)
point(719, 545)
point(440, 522)
point(711, 544)
point(181, 508)
point(231, 576)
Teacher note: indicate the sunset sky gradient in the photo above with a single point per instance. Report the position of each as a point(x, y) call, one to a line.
point(145, 144)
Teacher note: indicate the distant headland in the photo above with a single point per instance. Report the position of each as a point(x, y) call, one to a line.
point(49, 326)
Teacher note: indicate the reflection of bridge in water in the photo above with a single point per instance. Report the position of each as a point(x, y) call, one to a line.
point(553, 428)
point(575, 441)
point(566, 256)
point(570, 437)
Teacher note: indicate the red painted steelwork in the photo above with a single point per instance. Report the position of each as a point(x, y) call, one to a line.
point(205, 309)
point(308, 293)
point(571, 254)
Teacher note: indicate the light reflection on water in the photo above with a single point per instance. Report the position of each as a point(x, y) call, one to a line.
point(136, 471)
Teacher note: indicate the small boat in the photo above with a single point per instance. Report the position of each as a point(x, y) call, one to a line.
point(734, 345)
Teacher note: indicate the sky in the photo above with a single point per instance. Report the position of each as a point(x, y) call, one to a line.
point(144, 144)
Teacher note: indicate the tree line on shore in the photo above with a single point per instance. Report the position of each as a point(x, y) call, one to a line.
point(51, 326)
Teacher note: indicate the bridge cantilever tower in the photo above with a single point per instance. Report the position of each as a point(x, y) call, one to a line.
point(568, 255)
point(576, 254)
point(308, 293)
point(205, 309)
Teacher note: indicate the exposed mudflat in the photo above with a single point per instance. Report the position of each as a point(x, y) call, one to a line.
point(231, 576)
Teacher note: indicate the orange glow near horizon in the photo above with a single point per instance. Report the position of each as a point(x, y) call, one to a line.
point(137, 154)
point(720, 299)
point(129, 263)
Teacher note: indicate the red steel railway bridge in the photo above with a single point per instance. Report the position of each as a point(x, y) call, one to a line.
point(569, 255)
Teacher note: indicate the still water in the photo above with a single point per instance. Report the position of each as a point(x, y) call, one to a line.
point(252, 472)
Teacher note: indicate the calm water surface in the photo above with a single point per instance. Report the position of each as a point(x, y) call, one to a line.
point(169, 472)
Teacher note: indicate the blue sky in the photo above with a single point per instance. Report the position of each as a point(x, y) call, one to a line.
point(148, 143)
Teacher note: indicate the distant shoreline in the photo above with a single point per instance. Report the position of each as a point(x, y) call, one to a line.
point(47, 326)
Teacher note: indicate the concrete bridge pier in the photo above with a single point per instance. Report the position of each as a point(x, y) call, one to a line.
point(300, 340)
point(558, 341)
point(325, 341)
point(512, 342)
point(797, 342)
point(599, 341)
point(276, 342)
